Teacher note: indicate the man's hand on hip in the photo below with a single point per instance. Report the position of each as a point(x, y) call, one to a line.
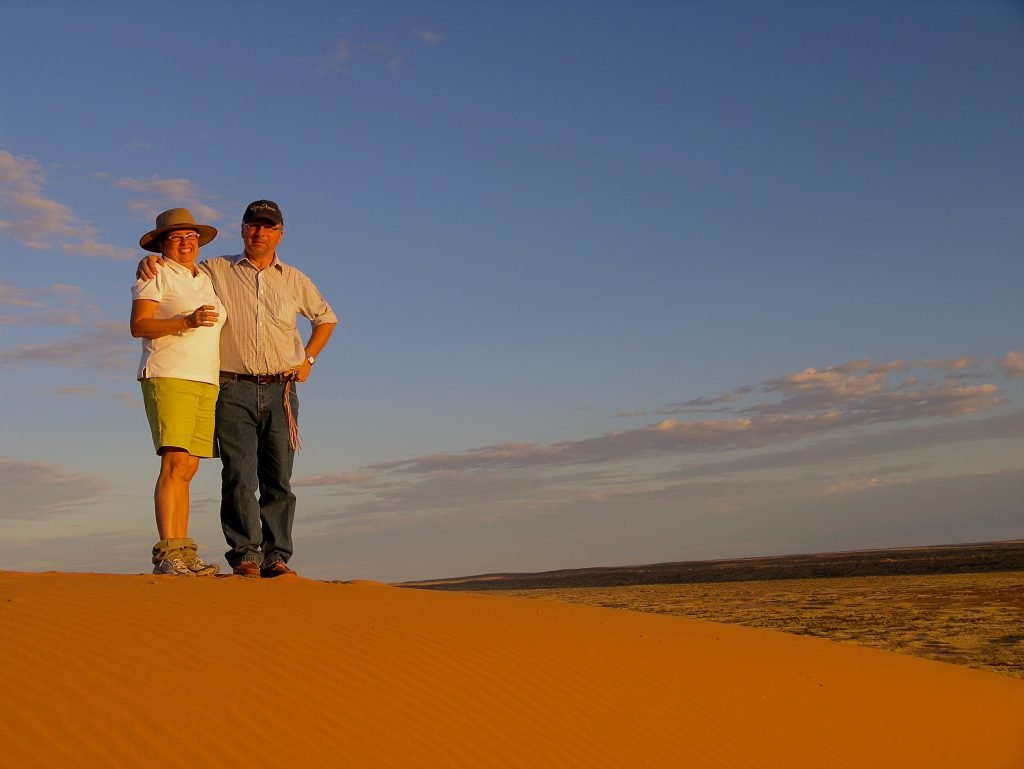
point(302, 372)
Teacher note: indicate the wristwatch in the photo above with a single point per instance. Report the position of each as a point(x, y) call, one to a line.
point(310, 359)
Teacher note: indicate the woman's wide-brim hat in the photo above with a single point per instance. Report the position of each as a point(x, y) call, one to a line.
point(175, 219)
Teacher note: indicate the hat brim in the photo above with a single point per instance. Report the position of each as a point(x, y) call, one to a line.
point(151, 240)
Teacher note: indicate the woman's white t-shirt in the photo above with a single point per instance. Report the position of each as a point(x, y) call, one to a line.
point(193, 354)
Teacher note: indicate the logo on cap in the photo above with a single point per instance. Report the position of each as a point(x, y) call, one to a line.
point(263, 209)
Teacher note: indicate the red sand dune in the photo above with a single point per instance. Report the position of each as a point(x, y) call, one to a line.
point(140, 671)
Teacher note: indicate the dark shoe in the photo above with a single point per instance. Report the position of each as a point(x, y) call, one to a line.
point(277, 569)
point(249, 569)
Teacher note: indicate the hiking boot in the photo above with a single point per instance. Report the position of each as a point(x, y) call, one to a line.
point(277, 569)
point(175, 567)
point(248, 569)
point(199, 567)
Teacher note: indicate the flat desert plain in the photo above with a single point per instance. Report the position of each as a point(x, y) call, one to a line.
point(141, 671)
point(966, 619)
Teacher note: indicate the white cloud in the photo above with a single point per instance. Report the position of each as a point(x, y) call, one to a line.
point(93, 248)
point(54, 305)
point(77, 391)
point(843, 449)
point(483, 495)
point(428, 37)
point(107, 345)
point(131, 399)
point(831, 408)
point(856, 484)
point(39, 222)
point(94, 343)
point(346, 55)
point(774, 425)
point(337, 61)
point(49, 318)
point(336, 479)
point(1012, 364)
point(952, 365)
point(833, 382)
point(829, 464)
point(699, 405)
point(37, 490)
point(36, 219)
point(15, 296)
point(108, 551)
point(160, 194)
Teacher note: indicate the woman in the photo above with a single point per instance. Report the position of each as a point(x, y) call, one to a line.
point(179, 318)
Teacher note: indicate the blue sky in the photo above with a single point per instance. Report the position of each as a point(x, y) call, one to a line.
point(618, 282)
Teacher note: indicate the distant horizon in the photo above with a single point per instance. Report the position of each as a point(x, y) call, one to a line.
point(778, 556)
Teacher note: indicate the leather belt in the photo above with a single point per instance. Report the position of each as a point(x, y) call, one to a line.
point(257, 378)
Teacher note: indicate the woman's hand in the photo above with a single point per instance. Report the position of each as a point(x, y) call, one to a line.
point(204, 315)
point(145, 324)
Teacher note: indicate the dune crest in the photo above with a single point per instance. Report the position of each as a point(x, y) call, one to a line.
point(116, 671)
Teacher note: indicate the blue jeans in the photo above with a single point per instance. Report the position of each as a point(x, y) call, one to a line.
point(252, 435)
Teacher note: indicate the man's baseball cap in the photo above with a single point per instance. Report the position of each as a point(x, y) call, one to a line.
point(263, 209)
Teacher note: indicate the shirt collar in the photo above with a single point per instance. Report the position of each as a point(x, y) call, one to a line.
point(178, 267)
point(275, 262)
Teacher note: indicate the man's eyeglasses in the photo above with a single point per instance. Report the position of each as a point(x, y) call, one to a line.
point(182, 237)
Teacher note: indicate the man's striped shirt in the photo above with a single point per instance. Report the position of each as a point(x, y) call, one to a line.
point(260, 335)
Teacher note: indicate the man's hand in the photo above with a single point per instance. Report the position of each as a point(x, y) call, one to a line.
point(301, 374)
point(148, 267)
point(317, 342)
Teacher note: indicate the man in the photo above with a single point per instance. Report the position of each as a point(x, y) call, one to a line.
point(261, 356)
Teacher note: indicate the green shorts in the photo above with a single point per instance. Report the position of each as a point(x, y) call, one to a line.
point(181, 414)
